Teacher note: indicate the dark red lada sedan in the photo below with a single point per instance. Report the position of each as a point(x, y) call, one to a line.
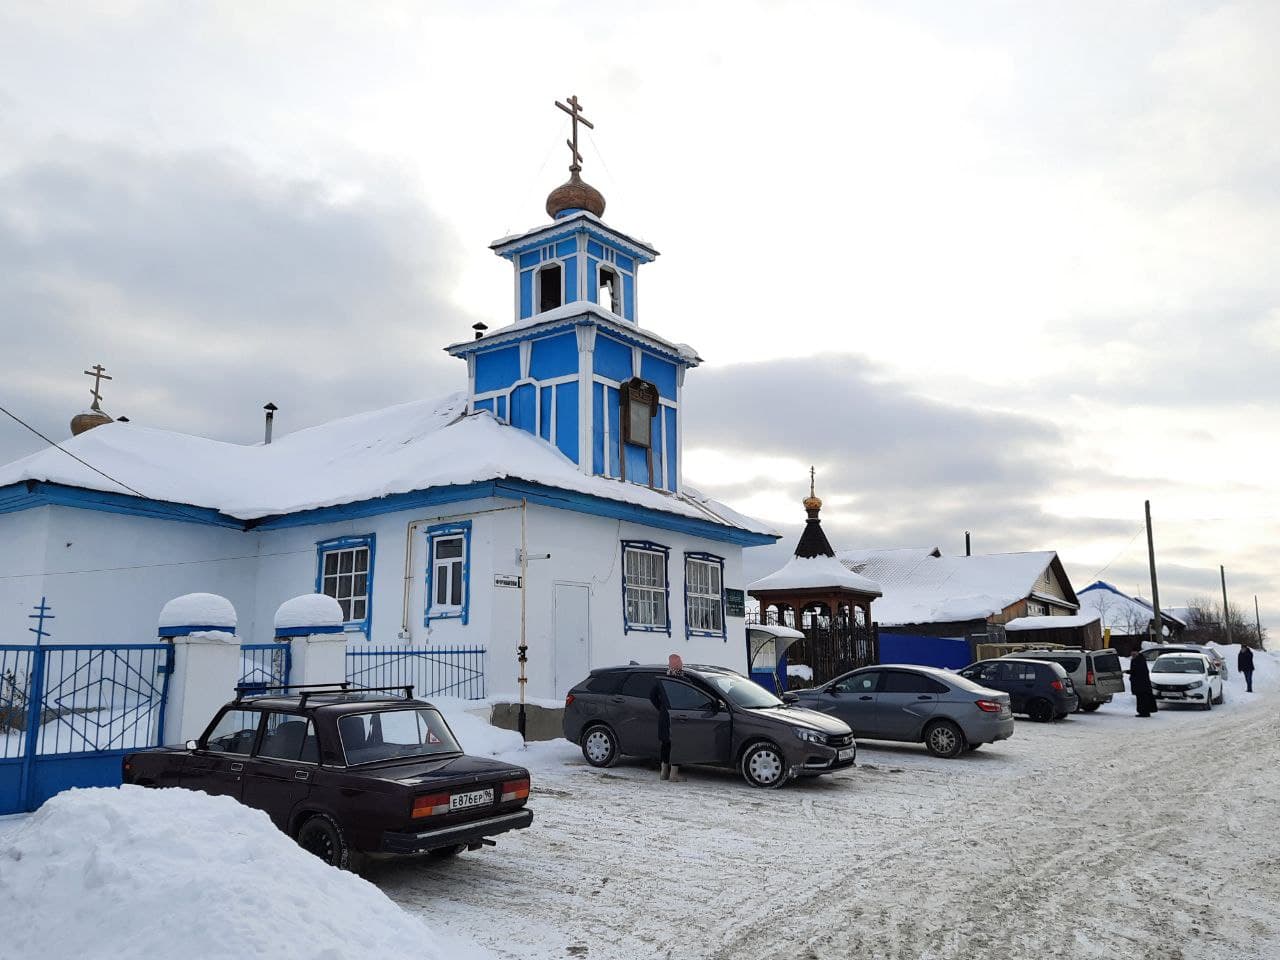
point(347, 773)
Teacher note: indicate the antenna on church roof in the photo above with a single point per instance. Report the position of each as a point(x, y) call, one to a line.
point(574, 195)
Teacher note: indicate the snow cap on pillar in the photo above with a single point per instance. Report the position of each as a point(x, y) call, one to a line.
point(309, 614)
point(198, 613)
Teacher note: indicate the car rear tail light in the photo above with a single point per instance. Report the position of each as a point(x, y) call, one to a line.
point(430, 805)
point(988, 706)
point(515, 790)
point(1057, 684)
point(568, 700)
point(1088, 679)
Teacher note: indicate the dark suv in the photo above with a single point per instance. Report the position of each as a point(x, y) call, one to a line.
point(718, 717)
point(1041, 690)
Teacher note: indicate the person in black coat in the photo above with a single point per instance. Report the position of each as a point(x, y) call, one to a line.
point(658, 697)
point(1244, 663)
point(1140, 684)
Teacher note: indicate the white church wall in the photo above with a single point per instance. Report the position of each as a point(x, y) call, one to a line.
point(23, 538)
point(108, 574)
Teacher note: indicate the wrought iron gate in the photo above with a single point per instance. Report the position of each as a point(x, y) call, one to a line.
point(70, 712)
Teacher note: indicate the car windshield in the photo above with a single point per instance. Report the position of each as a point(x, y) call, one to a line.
point(1168, 664)
point(742, 692)
point(395, 735)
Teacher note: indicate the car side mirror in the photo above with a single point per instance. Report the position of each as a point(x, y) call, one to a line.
point(790, 698)
point(192, 745)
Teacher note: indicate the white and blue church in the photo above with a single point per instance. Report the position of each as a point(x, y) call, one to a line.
point(544, 503)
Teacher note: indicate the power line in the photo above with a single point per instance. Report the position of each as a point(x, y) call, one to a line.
point(1119, 553)
point(17, 419)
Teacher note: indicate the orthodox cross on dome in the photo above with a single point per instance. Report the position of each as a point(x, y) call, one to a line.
point(99, 373)
point(812, 473)
point(574, 110)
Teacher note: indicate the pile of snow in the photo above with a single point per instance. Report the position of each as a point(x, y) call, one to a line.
point(199, 609)
point(133, 872)
point(467, 720)
point(309, 610)
point(801, 671)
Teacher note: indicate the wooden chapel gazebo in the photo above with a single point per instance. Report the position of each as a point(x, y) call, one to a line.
point(818, 595)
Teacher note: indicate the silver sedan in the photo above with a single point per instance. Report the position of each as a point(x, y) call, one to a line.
point(947, 713)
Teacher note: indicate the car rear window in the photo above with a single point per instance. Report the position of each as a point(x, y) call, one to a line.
point(1069, 664)
point(1106, 663)
point(638, 685)
point(602, 682)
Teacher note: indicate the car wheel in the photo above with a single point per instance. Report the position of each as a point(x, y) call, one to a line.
point(322, 837)
point(1040, 710)
point(1089, 708)
point(600, 746)
point(1208, 702)
point(764, 766)
point(944, 739)
point(1222, 696)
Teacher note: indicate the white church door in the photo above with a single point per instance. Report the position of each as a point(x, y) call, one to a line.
point(573, 634)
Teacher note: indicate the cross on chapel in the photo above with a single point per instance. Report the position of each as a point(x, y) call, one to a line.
point(574, 110)
point(99, 373)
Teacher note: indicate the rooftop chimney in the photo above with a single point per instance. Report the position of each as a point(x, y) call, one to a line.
point(479, 327)
point(271, 409)
point(966, 544)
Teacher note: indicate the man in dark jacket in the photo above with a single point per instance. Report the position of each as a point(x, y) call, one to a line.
point(658, 697)
point(1244, 663)
point(1140, 684)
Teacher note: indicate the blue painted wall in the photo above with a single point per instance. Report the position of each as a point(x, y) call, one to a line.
point(612, 358)
point(567, 420)
point(555, 356)
point(497, 369)
point(951, 652)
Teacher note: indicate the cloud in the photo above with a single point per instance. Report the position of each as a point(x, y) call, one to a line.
point(209, 287)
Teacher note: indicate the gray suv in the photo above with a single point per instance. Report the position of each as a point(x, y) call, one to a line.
point(945, 712)
point(718, 717)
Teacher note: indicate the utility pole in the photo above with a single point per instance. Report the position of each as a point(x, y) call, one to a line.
point(1157, 622)
point(1226, 614)
point(1257, 619)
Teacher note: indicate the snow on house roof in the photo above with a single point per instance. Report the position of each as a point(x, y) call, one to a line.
point(412, 446)
point(1051, 623)
point(1121, 613)
point(922, 586)
point(807, 573)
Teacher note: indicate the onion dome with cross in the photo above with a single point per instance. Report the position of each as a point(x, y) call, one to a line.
point(574, 194)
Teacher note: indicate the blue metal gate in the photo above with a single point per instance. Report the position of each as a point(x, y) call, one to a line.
point(434, 672)
point(69, 712)
point(265, 665)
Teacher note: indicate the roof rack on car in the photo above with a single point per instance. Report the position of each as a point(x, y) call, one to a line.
point(310, 689)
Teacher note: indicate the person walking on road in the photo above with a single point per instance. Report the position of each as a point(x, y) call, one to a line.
point(1140, 685)
point(658, 697)
point(1244, 663)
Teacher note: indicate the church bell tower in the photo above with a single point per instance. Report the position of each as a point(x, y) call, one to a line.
point(574, 367)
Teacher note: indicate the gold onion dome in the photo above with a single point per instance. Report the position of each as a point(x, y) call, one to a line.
point(813, 503)
point(93, 417)
point(574, 194)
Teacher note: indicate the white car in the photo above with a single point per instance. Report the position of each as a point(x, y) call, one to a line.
point(1187, 678)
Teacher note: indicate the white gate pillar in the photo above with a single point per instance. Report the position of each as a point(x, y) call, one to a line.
point(206, 662)
point(313, 626)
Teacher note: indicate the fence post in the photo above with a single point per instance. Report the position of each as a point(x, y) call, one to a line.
point(35, 715)
point(312, 625)
point(205, 663)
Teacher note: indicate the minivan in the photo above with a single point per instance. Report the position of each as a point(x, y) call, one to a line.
point(1096, 674)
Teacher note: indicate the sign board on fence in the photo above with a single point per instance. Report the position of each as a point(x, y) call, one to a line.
point(505, 580)
point(734, 603)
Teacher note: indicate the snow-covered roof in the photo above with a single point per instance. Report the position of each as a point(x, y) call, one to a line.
point(920, 585)
point(564, 316)
point(1051, 623)
point(807, 573)
point(400, 449)
point(1121, 613)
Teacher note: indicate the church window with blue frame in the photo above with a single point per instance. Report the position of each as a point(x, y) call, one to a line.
point(703, 595)
point(609, 290)
point(645, 587)
point(448, 571)
point(345, 572)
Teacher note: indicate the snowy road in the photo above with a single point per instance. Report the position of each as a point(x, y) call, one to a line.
point(1101, 836)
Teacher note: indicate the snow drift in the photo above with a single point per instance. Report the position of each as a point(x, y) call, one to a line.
point(140, 873)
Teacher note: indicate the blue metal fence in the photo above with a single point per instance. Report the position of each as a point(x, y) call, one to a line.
point(69, 712)
point(264, 665)
point(434, 671)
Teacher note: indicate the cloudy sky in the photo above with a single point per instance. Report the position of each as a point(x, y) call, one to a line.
point(998, 267)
